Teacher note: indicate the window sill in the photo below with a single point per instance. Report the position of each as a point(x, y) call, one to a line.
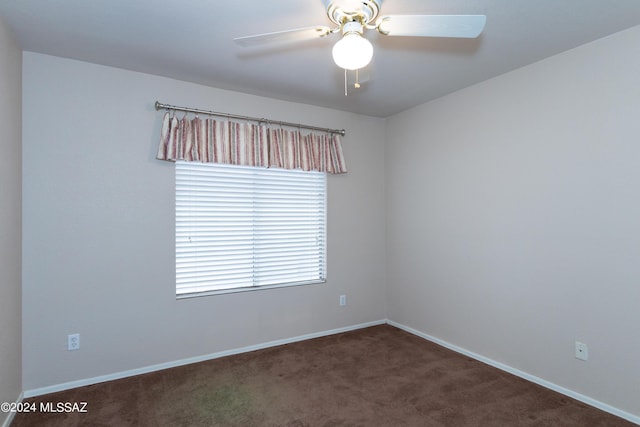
point(188, 295)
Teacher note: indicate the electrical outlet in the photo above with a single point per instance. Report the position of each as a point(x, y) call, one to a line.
point(73, 342)
point(582, 351)
point(343, 300)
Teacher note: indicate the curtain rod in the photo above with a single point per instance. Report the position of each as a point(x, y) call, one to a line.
point(160, 106)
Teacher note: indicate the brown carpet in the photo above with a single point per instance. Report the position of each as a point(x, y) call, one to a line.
point(378, 376)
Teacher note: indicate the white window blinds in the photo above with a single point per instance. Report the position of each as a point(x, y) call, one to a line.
point(242, 227)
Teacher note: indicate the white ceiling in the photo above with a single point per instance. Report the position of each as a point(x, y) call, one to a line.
point(192, 40)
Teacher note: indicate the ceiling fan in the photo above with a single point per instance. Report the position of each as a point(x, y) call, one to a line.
point(353, 17)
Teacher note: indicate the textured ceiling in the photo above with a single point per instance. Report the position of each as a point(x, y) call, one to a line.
point(192, 40)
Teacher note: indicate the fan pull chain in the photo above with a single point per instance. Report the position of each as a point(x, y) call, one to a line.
point(356, 85)
point(345, 82)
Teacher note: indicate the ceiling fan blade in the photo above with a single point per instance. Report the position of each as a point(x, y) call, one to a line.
point(298, 34)
point(461, 26)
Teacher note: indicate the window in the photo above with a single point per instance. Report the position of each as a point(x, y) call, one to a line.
point(243, 228)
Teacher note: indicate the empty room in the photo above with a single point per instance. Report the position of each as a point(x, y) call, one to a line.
point(348, 212)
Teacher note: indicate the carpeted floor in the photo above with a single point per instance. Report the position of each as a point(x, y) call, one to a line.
point(378, 376)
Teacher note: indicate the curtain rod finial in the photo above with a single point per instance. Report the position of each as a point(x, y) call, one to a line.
point(158, 105)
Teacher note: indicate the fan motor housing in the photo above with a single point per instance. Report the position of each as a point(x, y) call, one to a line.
point(342, 11)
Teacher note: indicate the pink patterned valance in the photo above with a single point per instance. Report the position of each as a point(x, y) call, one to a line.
point(248, 144)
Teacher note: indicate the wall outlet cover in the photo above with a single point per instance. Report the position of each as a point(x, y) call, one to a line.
point(582, 351)
point(73, 342)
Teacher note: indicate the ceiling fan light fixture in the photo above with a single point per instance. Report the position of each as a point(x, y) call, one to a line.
point(353, 51)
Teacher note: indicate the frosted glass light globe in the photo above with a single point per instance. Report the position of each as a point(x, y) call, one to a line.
point(352, 52)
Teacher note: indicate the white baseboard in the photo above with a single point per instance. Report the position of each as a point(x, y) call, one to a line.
point(11, 415)
point(582, 398)
point(187, 361)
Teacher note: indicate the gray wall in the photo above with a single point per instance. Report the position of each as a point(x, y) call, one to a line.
point(513, 219)
point(99, 229)
point(10, 218)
